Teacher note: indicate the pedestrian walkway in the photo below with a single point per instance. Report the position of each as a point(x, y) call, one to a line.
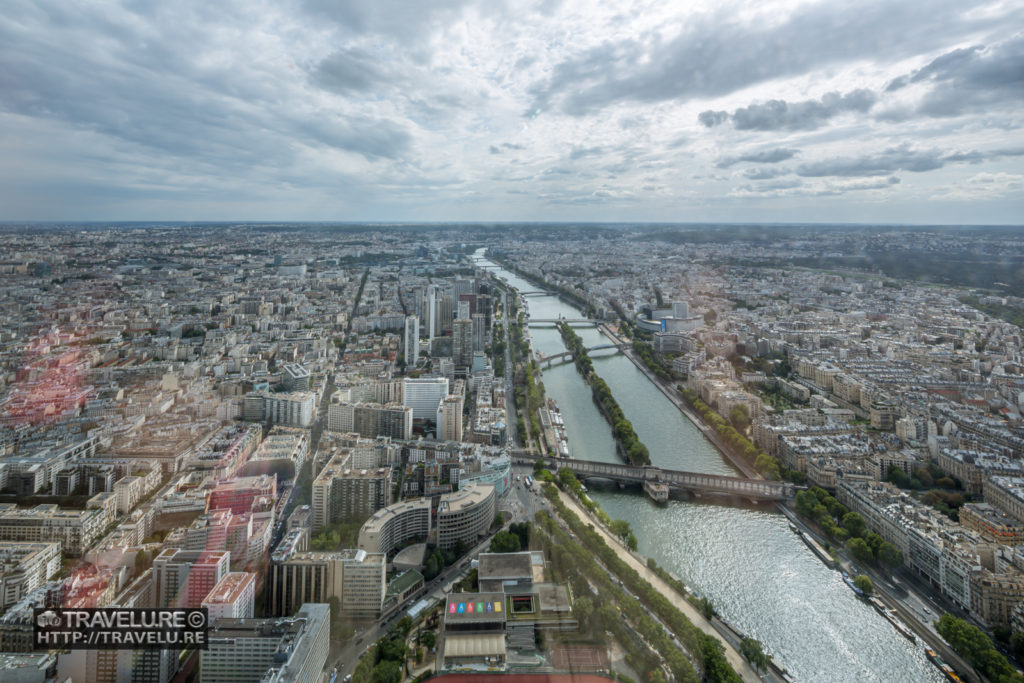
point(739, 664)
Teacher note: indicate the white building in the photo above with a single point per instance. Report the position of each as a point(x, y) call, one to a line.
point(423, 394)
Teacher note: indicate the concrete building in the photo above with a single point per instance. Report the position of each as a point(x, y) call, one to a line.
point(341, 493)
point(465, 515)
point(295, 377)
point(183, 578)
point(396, 524)
point(75, 530)
point(449, 418)
point(238, 494)
point(423, 394)
point(292, 650)
point(462, 342)
point(411, 340)
point(294, 409)
point(371, 419)
point(232, 597)
point(357, 578)
point(24, 567)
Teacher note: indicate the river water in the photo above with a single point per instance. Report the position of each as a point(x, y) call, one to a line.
point(759, 575)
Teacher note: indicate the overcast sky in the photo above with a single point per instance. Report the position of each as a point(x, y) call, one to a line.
point(448, 110)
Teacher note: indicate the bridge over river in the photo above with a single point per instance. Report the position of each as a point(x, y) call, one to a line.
point(566, 356)
point(655, 478)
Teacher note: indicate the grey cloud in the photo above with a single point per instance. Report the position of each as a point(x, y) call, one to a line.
point(782, 115)
point(350, 70)
point(970, 79)
point(505, 146)
point(774, 185)
point(710, 118)
point(767, 156)
point(806, 115)
point(895, 159)
point(580, 152)
point(716, 54)
point(764, 173)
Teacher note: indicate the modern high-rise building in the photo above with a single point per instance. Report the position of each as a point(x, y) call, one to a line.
point(269, 650)
point(462, 342)
point(423, 394)
point(462, 309)
point(449, 418)
point(232, 597)
point(411, 340)
point(431, 308)
point(465, 515)
point(446, 312)
point(183, 578)
point(356, 577)
point(479, 331)
point(341, 493)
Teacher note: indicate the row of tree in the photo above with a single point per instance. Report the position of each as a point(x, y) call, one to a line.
point(636, 452)
point(616, 612)
point(842, 525)
point(704, 648)
point(768, 466)
point(651, 358)
point(385, 661)
point(973, 645)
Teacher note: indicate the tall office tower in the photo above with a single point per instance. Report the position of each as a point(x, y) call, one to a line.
point(183, 578)
point(423, 394)
point(462, 286)
point(479, 331)
point(485, 305)
point(269, 650)
point(432, 312)
point(412, 340)
point(449, 418)
point(447, 312)
point(462, 343)
point(463, 310)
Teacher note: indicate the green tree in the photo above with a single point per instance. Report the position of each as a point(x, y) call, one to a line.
point(864, 583)
point(860, 550)
point(428, 639)
point(890, 555)
point(620, 528)
point(505, 542)
point(739, 416)
point(1017, 644)
point(854, 524)
point(754, 652)
point(387, 671)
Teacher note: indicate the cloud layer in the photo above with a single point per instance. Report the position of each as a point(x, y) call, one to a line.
point(550, 110)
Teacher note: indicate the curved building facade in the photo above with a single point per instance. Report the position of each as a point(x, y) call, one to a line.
point(465, 515)
point(395, 524)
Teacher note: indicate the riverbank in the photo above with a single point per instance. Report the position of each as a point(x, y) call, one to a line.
point(639, 564)
point(885, 592)
point(670, 393)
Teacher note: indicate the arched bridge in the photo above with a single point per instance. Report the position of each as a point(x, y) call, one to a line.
point(567, 355)
point(752, 489)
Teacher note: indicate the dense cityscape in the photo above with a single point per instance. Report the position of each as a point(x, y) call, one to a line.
point(367, 451)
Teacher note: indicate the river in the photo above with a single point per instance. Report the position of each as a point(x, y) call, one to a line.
point(759, 575)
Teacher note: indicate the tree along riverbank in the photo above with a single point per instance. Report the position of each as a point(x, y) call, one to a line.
point(628, 442)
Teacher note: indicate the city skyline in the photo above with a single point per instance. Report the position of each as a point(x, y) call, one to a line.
point(749, 112)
